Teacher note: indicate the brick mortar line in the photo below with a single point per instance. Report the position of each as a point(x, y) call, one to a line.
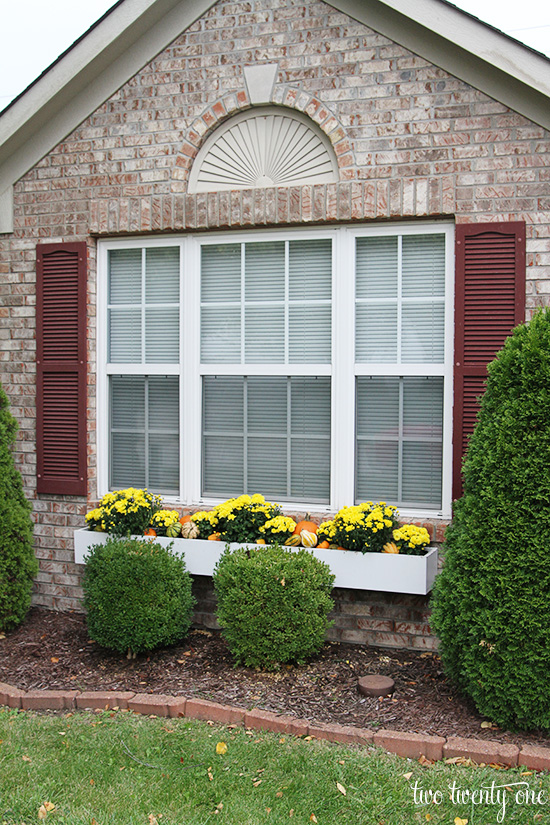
point(408, 745)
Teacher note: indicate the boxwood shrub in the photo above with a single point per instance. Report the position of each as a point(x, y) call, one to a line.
point(491, 606)
point(18, 565)
point(137, 595)
point(273, 604)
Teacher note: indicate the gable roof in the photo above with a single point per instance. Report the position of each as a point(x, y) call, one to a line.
point(133, 32)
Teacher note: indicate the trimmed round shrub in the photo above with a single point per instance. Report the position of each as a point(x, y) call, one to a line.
point(491, 603)
point(18, 565)
point(137, 595)
point(273, 604)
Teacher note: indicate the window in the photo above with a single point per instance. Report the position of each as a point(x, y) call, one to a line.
point(313, 366)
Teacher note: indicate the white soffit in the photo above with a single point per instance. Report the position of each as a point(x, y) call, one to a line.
point(262, 147)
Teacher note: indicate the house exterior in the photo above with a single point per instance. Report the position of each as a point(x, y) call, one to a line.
point(269, 247)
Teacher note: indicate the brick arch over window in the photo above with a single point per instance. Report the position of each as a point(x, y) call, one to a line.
point(285, 100)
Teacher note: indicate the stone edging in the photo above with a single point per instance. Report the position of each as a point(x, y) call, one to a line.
point(410, 745)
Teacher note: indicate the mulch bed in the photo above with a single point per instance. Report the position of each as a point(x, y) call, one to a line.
point(52, 650)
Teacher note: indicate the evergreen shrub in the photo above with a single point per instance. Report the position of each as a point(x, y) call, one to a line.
point(273, 604)
point(18, 565)
point(491, 603)
point(137, 595)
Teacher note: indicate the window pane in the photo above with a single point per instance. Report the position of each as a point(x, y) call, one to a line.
point(223, 471)
point(221, 335)
point(377, 471)
point(124, 335)
point(376, 333)
point(162, 345)
point(376, 268)
point(162, 275)
point(310, 270)
point(221, 272)
point(267, 404)
point(144, 415)
point(125, 276)
point(264, 335)
point(423, 338)
point(267, 467)
point(265, 271)
point(310, 334)
point(423, 265)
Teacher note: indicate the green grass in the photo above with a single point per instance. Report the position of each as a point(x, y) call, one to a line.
point(85, 765)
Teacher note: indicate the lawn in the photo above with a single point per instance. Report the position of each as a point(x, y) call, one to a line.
point(116, 767)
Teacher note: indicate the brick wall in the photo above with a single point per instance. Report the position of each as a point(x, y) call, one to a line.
point(411, 142)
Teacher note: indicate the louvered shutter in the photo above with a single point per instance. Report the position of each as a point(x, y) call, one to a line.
point(61, 368)
point(489, 303)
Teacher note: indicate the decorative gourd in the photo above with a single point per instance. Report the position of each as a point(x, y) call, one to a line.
point(189, 530)
point(150, 532)
point(293, 541)
point(214, 537)
point(324, 545)
point(173, 530)
point(390, 547)
point(260, 541)
point(308, 538)
point(306, 525)
point(185, 519)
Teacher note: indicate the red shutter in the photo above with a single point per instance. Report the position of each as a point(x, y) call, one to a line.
point(489, 303)
point(61, 368)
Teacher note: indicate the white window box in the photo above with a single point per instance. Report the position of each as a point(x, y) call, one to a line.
point(360, 571)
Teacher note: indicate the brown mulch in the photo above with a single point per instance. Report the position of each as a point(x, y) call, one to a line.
point(52, 650)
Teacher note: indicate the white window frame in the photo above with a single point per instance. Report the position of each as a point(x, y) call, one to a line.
point(343, 368)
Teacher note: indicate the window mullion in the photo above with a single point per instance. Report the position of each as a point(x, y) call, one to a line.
point(245, 435)
point(143, 331)
point(343, 378)
point(289, 437)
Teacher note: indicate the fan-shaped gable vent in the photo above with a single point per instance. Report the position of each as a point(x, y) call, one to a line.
point(264, 147)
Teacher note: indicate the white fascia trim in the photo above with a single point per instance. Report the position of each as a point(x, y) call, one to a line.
point(89, 73)
point(467, 48)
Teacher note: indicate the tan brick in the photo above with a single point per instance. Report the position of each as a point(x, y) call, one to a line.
point(49, 699)
point(344, 734)
point(214, 712)
point(531, 756)
point(265, 720)
point(104, 699)
point(149, 704)
point(481, 750)
point(10, 696)
point(410, 745)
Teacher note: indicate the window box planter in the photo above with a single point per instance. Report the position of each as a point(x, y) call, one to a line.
point(359, 571)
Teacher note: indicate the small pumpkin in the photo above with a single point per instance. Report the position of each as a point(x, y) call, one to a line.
point(214, 537)
point(173, 530)
point(324, 545)
point(308, 538)
point(306, 525)
point(189, 530)
point(150, 532)
point(390, 547)
point(185, 519)
point(293, 541)
point(260, 541)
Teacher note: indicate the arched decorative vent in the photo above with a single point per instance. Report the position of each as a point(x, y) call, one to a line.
point(267, 146)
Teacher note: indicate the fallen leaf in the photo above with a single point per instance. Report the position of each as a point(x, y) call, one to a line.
point(221, 748)
point(268, 810)
point(49, 806)
point(153, 820)
point(423, 761)
point(54, 659)
point(279, 794)
point(341, 788)
point(291, 812)
point(428, 817)
point(526, 773)
point(486, 724)
point(2, 635)
point(92, 782)
point(42, 812)
point(26, 758)
point(281, 740)
point(459, 821)
point(313, 818)
point(210, 777)
point(341, 762)
point(407, 775)
point(256, 782)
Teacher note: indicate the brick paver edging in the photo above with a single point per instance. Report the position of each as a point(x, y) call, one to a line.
point(411, 745)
